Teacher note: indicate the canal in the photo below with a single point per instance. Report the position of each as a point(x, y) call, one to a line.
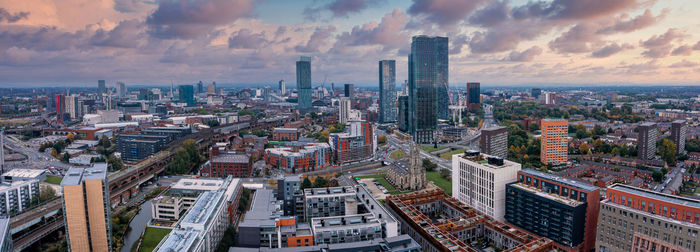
point(138, 224)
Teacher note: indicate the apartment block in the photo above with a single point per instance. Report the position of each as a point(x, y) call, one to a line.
point(679, 131)
point(224, 163)
point(479, 181)
point(355, 144)
point(17, 196)
point(299, 157)
point(646, 141)
point(285, 134)
point(494, 141)
point(554, 141)
point(86, 208)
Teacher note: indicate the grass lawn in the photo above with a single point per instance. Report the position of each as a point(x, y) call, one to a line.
point(151, 237)
point(397, 154)
point(439, 181)
point(381, 178)
point(53, 179)
point(431, 147)
point(448, 155)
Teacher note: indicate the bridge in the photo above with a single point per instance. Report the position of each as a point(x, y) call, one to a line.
point(36, 223)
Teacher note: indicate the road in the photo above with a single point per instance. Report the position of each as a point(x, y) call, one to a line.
point(35, 159)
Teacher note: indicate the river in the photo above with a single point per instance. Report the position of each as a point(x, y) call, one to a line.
point(138, 224)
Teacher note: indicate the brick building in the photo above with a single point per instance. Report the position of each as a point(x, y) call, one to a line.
point(299, 157)
point(223, 164)
point(285, 134)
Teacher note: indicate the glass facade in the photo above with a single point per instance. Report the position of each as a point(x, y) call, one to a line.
point(304, 82)
point(387, 91)
point(186, 94)
point(428, 86)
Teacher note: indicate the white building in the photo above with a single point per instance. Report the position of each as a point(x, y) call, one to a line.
point(344, 110)
point(17, 196)
point(479, 180)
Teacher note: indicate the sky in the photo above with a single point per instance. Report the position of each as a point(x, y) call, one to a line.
point(506, 42)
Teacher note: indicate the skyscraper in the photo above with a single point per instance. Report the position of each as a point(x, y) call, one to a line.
point(73, 106)
point(60, 107)
point(678, 133)
point(86, 208)
point(494, 141)
point(121, 89)
point(428, 71)
point(553, 143)
point(101, 89)
point(403, 113)
point(304, 83)
point(535, 92)
point(473, 95)
point(387, 91)
point(186, 94)
point(350, 90)
point(646, 141)
point(344, 110)
point(200, 87)
point(283, 88)
point(211, 89)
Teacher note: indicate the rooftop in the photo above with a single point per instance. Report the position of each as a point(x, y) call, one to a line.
point(657, 196)
point(569, 182)
point(178, 240)
point(75, 175)
point(288, 130)
point(202, 208)
point(264, 210)
point(24, 173)
point(550, 196)
point(200, 184)
point(226, 157)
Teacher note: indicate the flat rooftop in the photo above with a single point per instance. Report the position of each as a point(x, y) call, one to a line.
point(657, 195)
point(565, 181)
point(549, 196)
point(324, 191)
point(178, 240)
point(226, 157)
point(202, 208)
point(200, 184)
point(264, 210)
point(24, 173)
point(75, 175)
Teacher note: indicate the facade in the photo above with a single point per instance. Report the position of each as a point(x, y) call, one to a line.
point(167, 207)
point(401, 243)
point(349, 91)
point(344, 108)
point(473, 95)
point(408, 175)
point(634, 219)
point(17, 196)
point(186, 94)
point(494, 141)
point(428, 69)
point(223, 164)
point(479, 181)
point(536, 92)
point(60, 107)
point(462, 229)
point(329, 201)
point(563, 210)
point(678, 134)
point(86, 208)
point(283, 88)
point(299, 157)
point(387, 91)
point(646, 141)
point(355, 144)
point(5, 235)
point(290, 193)
point(285, 134)
point(74, 107)
point(101, 88)
point(404, 114)
point(554, 146)
point(134, 148)
point(121, 89)
point(304, 82)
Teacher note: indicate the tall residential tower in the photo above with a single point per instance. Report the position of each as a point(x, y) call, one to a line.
point(428, 69)
point(387, 91)
point(304, 83)
point(86, 208)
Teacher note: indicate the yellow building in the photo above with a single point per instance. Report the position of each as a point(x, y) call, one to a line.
point(86, 208)
point(554, 141)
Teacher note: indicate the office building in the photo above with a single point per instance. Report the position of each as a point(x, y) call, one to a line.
point(186, 94)
point(267, 94)
point(349, 91)
point(560, 209)
point(473, 95)
point(17, 196)
point(387, 91)
point(304, 83)
point(299, 157)
point(200, 87)
point(101, 89)
point(5, 235)
point(223, 164)
point(536, 92)
point(211, 88)
point(428, 69)
point(355, 144)
point(134, 148)
point(290, 193)
point(74, 107)
point(60, 108)
point(121, 89)
point(550, 98)
point(285, 134)
point(635, 219)
point(678, 134)
point(283, 88)
point(404, 113)
point(344, 108)
point(554, 144)
point(646, 141)
point(479, 180)
point(462, 228)
point(86, 208)
point(494, 141)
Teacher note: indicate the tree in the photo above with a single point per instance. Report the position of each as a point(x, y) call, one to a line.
point(333, 183)
point(213, 123)
point(105, 142)
point(598, 130)
point(306, 183)
point(320, 182)
point(657, 176)
point(115, 163)
point(381, 139)
point(583, 148)
point(445, 173)
point(428, 165)
point(46, 193)
point(667, 150)
point(65, 158)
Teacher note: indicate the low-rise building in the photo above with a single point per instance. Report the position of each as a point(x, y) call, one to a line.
point(18, 174)
point(401, 243)
point(299, 157)
point(285, 134)
point(223, 164)
point(17, 196)
point(167, 207)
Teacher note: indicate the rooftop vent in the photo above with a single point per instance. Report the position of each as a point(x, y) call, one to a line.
point(471, 153)
point(495, 161)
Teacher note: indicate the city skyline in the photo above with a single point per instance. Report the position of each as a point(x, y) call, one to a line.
point(245, 42)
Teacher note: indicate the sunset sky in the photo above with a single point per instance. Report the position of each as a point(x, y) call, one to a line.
point(563, 42)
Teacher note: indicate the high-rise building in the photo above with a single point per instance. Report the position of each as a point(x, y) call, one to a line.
point(560, 209)
point(473, 95)
point(635, 219)
point(349, 90)
point(121, 89)
point(550, 98)
point(344, 110)
point(536, 92)
point(355, 144)
point(200, 87)
point(283, 88)
point(60, 107)
point(646, 141)
point(86, 208)
point(403, 113)
point(404, 88)
point(267, 94)
point(428, 71)
point(211, 88)
point(494, 141)
point(186, 94)
point(74, 107)
point(554, 141)
point(479, 180)
point(678, 133)
point(387, 91)
point(304, 83)
point(101, 89)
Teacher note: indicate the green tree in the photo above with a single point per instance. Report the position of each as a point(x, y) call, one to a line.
point(667, 150)
point(381, 139)
point(657, 176)
point(306, 183)
point(320, 182)
point(445, 173)
point(428, 165)
point(65, 158)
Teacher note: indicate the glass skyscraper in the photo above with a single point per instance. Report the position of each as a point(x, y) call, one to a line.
point(304, 82)
point(428, 71)
point(387, 91)
point(186, 94)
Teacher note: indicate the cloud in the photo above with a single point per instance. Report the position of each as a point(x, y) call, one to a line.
point(507, 36)
point(40, 38)
point(696, 46)
point(571, 9)
point(444, 12)
point(457, 43)
point(575, 40)
point(683, 64)
point(684, 50)
point(246, 39)
point(659, 46)
point(525, 56)
point(191, 19)
point(388, 33)
point(11, 18)
point(128, 34)
point(318, 39)
point(127, 6)
point(337, 8)
point(610, 49)
point(639, 22)
point(493, 14)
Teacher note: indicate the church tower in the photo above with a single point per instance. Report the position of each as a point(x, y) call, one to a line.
point(416, 173)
